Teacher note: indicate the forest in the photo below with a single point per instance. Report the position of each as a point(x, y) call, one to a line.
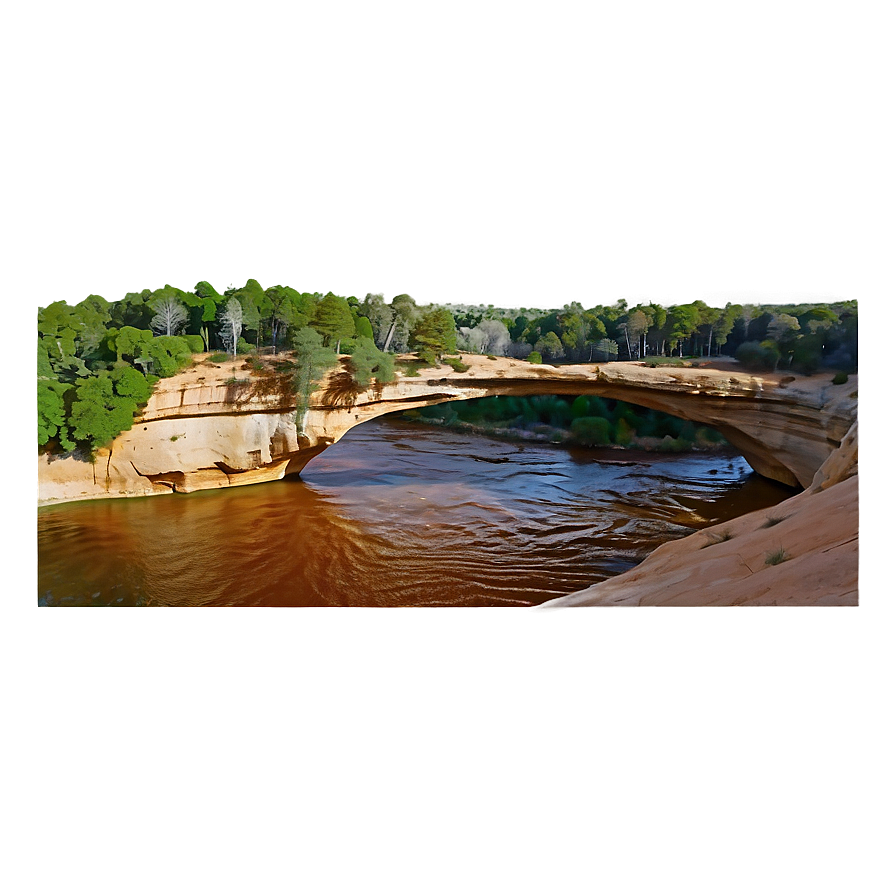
point(98, 360)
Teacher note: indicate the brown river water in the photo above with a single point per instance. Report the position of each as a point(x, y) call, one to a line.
point(395, 514)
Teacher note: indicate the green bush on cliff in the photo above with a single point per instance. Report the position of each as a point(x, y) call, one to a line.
point(51, 413)
point(194, 341)
point(369, 363)
point(98, 413)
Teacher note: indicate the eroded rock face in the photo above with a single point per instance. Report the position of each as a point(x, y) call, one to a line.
point(217, 426)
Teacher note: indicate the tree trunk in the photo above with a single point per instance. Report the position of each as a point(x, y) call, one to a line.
point(391, 333)
point(627, 343)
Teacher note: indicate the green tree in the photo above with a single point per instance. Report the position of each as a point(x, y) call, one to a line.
point(434, 334)
point(724, 324)
point(681, 321)
point(93, 316)
point(549, 345)
point(368, 362)
point(312, 361)
point(51, 416)
point(637, 325)
point(333, 320)
point(203, 304)
point(363, 328)
point(403, 311)
point(128, 382)
point(286, 309)
point(375, 309)
point(129, 342)
point(98, 414)
point(656, 331)
point(255, 308)
point(169, 354)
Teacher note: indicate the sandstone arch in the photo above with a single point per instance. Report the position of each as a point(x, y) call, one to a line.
point(202, 430)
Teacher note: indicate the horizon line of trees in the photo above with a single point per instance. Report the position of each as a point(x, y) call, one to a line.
point(98, 361)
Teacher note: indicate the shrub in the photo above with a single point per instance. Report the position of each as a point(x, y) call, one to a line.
point(456, 364)
point(661, 361)
point(773, 558)
point(590, 431)
point(624, 432)
point(718, 538)
point(128, 382)
point(243, 347)
point(219, 357)
point(674, 446)
point(534, 358)
point(491, 357)
point(840, 377)
point(762, 356)
point(411, 368)
point(368, 362)
point(195, 342)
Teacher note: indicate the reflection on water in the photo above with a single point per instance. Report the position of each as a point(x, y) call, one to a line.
point(395, 515)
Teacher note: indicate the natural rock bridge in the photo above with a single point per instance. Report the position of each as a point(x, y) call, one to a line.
point(215, 426)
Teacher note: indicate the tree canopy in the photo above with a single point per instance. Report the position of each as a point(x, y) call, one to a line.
point(97, 360)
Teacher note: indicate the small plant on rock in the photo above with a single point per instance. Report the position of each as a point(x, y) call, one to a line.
point(773, 558)
point(718, 538)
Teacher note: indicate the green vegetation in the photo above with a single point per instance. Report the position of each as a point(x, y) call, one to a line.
point(759, 356)
point(156, 333)
point(840, 377)
point(666, 362)
point(773, 558)
point(411, 368)
point(434, 335)
point(587, 421)
point(369, 363)
point(456, 364)
point(312, 361)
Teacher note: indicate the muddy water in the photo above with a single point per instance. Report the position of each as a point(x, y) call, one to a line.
point(396, 514)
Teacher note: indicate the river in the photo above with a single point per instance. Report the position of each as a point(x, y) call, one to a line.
point(395, 514)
